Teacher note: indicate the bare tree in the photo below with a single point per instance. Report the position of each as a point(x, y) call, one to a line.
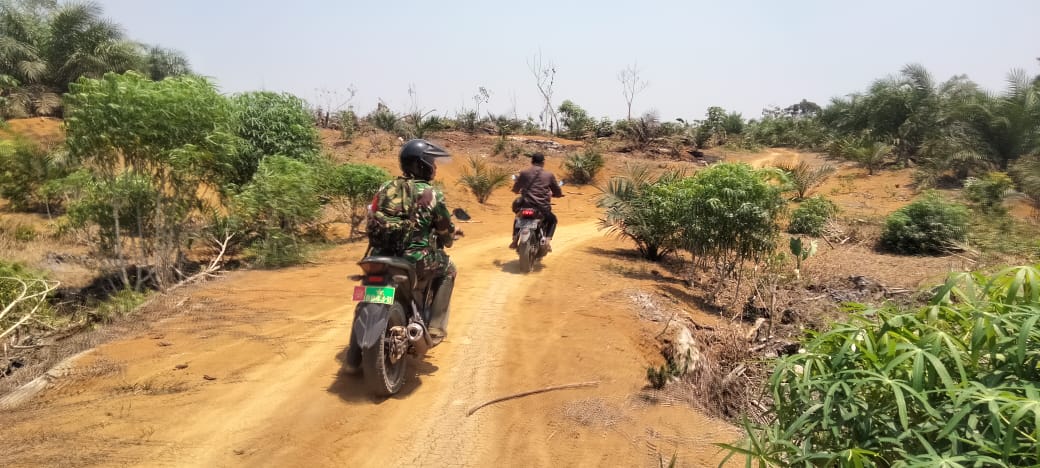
point(327, 99)
point(631, 85)
point(545, 76)
point(482, 97)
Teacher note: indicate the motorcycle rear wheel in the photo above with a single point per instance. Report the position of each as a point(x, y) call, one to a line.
point(383, 377)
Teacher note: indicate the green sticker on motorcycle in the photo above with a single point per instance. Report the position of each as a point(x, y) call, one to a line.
point(374, 294)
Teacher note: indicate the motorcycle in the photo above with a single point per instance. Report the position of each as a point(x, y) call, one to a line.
point(530, 243)
point(531, 240)
point(390, 321)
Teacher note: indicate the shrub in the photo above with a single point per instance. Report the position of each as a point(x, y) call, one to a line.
point(350, 187)
point(575, 121)
point(268, 124)
point(419, 124)
point(25, 168)
point(385, 120)
point(811, 216)
point(348, 125)
point(929, 225)
point(952, 383)
point(482, 178)
point(176, 134)
point(729, 214)
point(638, 133)
point(467, 121)
point(988, 192)
point(632, 209)
point(804, 177)
point(280, 202)
point(583, 167)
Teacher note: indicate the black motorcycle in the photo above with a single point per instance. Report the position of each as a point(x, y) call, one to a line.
point(390, 321)
point(530, 242)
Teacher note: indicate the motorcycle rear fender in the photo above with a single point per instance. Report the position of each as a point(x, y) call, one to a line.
point(370, 323)
point(525, 235)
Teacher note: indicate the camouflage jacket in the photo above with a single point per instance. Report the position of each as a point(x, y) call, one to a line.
point(409, 218)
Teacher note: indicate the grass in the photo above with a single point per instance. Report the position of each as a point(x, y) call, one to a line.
point(951, 383)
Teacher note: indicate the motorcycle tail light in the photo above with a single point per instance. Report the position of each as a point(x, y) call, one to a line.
point(526, 213)
point(373, 279)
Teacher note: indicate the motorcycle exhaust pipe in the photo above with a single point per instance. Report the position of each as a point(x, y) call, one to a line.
point(415, 332)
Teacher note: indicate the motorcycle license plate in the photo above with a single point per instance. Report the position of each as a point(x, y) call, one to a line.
point(526, 223)
point(374, 294)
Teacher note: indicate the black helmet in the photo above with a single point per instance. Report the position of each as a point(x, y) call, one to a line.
point(417, 158)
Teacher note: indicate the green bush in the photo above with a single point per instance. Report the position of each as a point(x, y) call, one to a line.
point(988, 192)
point(385, 120)
point(276, 207)
point(804, 177)
point(350, 187)
point(583, 167)
point(268, 124)
point(634, 210)
point(348, 125)
point(575, 121)
point(952, 383)
point(482, 178)
point(25, 169)
point(811, 216)
point(121, 208)
point(929, 225)
point(728, 213)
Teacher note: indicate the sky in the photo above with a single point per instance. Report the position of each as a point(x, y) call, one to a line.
point(742, 55)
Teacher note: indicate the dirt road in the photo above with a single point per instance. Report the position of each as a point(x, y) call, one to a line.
point(247, 374)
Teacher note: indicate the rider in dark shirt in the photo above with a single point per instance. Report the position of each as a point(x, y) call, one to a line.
point(537, 187)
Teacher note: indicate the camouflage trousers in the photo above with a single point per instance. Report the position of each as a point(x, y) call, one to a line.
point(433, 262)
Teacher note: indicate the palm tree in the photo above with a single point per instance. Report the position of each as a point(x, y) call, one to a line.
point(45, 46)
point(628, 213)
point(162, 63)
point(1007, 127)
point(869, 154)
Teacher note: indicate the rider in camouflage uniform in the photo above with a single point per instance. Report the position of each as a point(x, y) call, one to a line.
point(410, 219)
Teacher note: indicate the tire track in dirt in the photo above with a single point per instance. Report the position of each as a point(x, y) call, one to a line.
point(279, 399)
point(450, 437)
point(273, 339)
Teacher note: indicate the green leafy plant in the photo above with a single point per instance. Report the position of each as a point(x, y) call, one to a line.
point(929, 225)
point(811, 216)
point(169, 135)
point(25, 169)
point(801, 252)
point(804, 177)
point(383, 119)
point(482, 178)
point(350, 187)
point(280, 201)
point(633, 211)
point(420, 124)
point(575, 121)
point(728, 215)
point(349, 126)
point(583, 167)
point(268, 124)
point(989, 191)
point(951, 383)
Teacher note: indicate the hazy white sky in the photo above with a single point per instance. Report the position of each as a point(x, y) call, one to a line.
point(740, 54)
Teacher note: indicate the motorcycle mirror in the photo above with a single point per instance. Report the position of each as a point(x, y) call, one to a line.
point(514, 176)
point(561, 183)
